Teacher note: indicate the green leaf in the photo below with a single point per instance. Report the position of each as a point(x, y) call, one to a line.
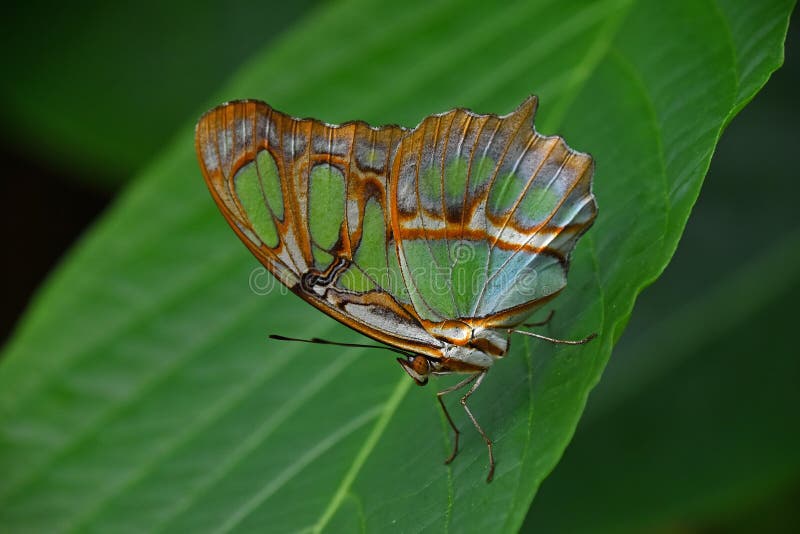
point(701, 427)
point(695, 421)
point(105, 86)
point(141, 392)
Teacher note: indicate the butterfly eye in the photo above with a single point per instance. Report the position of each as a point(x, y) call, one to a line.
point(421, 366)
point(417, 368)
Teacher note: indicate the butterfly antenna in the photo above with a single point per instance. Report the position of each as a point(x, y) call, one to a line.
point(557, 341)
point(318, 341)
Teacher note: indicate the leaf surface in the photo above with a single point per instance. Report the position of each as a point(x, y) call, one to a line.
point(695, 417)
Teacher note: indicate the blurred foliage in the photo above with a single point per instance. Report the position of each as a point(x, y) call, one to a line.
point(139, 391)
point(100, 87)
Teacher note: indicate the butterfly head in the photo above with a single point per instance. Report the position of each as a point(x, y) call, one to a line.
point(465, 349)
point(418, 367)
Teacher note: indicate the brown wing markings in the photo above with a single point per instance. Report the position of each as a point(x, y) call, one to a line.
point(562, 259)
point(498, 164)
point(445, 141)
point(481, 235)
point(392, 150)
point(561, 228)
point(334, 304)
point(421, 214)
point(470, 204)
point(468, 169)
point(291, 223)
point(533, 234)
point(369, 183)
point(363, 197)
point(500, 160)
point(225, 181)
point(364, 176)
point(277, 156)
point(346, 248)
point(512, 211)
point(508, 143)
point(225, 148)
point(395, 219)
point(275, 219)
point(483, 197)
point(251, 155)
point(222, 126)
point(290, 198)
point(384, 204)
point(304, 163)
point(510, 317)
point(210, 129)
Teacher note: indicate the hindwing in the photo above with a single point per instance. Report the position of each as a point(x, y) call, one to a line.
point(486, 212)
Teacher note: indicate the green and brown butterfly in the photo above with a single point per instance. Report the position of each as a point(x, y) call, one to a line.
point(438, 241)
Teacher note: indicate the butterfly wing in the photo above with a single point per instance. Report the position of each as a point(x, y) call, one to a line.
point(310, 201)
point(486, 213)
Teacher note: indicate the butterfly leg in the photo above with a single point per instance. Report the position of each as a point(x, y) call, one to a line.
point(488, 441)
point(456, 432)
point(557, 341)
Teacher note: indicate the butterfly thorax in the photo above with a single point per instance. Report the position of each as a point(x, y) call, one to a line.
point(465, 348)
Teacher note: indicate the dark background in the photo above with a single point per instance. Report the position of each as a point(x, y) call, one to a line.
point(91, 92)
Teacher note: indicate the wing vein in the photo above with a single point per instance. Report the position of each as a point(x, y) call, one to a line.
point(489, 187)
point(549, 218)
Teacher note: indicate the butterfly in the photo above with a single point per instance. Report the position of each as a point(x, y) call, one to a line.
point(437, 241)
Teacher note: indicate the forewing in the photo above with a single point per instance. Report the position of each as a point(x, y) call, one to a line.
point(310, 200)
point(486, 213)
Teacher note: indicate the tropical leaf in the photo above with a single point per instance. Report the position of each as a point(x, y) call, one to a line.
point(140, 391)
point(695, 416)
point(702, 428)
